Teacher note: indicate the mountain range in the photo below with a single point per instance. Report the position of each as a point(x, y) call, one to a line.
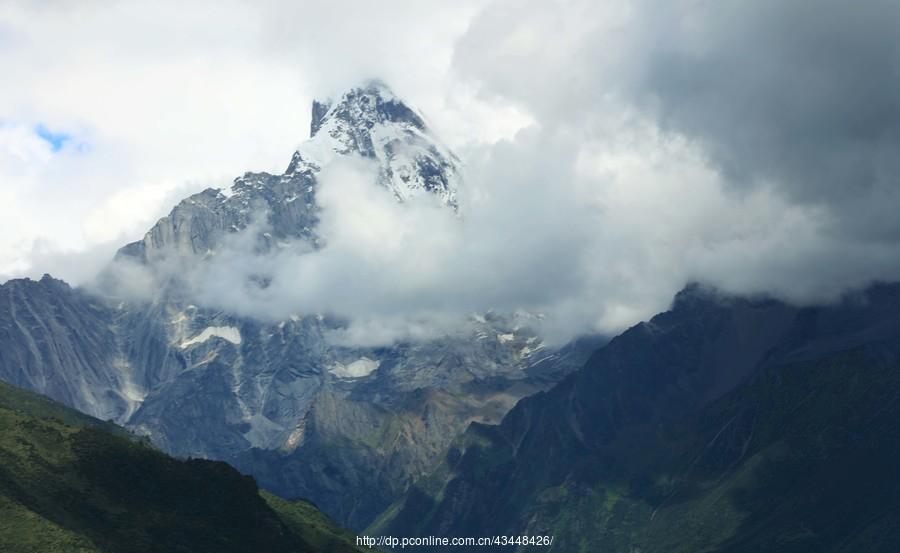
point(349, 428)
point(727, 424)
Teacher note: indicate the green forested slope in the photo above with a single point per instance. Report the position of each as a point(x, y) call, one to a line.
point(72, 483)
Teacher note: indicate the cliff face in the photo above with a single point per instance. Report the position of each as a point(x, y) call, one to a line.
point(63, 342)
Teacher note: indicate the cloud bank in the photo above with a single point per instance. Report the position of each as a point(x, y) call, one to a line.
point(614, 152)
point(791, 106)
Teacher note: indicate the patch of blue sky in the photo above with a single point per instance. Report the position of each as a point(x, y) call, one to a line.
point(56, 139)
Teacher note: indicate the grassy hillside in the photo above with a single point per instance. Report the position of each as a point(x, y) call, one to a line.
point(70, 483)
point(303, 518)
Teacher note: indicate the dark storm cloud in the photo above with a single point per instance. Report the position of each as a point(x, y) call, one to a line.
point(794, 106)
point(801, 95)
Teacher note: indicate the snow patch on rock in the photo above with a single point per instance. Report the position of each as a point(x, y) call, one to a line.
point(357, 369)
point(229, 333)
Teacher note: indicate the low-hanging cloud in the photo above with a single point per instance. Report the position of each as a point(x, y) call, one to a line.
point(408, 269)
point(588, 241)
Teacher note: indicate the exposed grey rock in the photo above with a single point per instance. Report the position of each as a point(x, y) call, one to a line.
point(370, 122)
point(319, 109)
point(62, 342)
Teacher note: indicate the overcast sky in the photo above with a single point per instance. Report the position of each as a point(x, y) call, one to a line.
point(624, 148)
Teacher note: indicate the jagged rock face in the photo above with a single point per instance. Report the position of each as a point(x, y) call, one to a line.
point(63, 343)
point(198, 225)
point(721, 425)
point(373, 123)
point(370, 122)
point(363, 441)
point(347, 427)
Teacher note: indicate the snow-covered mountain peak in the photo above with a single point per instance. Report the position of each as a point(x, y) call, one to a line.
point(372, 122)
point(369, 121)
point(373, 103)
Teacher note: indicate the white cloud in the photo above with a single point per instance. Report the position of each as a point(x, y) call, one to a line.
point(615, 150)
point(592, 235)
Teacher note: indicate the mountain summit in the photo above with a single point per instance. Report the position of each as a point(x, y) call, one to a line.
point(374, 103)
point(368, 121)
point(372, 122)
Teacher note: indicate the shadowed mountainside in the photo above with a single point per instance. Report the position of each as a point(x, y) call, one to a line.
point(722, 425)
